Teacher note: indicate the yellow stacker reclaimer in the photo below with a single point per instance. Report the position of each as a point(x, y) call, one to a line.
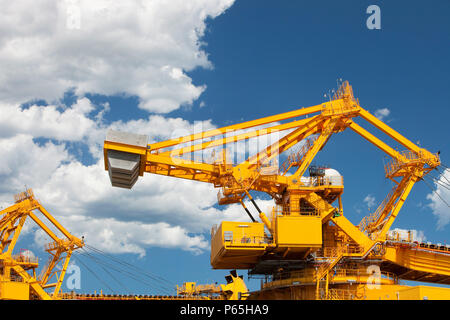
point(18, 277)
point(305, 248)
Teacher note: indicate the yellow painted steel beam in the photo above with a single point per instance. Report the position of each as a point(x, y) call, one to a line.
point(43, 226)
point(284, 143)
point(61, 275)
point(180, 173)
point(333, 117)
point(13, 221)
point(187, 176)
point(49, 272)
point(237, 138)
point(6, 233)
point(375, 141)
point(9, 214)
point(181, 163)
point(9, 210)
point(292, 142)
point(327, 130)
point(390, 132)
point(390, 204)
point(63, 230)
point(16, 234)
point(235, 127)
point(325, 209)
point(406, 190)
point(353, 232)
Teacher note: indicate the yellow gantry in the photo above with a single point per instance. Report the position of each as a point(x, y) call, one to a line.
point(16, 281)
point(304, 212)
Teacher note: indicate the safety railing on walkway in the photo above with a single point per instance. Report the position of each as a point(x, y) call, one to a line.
point(25, 258)
point(244, 239)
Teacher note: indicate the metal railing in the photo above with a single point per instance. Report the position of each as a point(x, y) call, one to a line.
point(51, 246)
point(290, 210)
point(27, 194)
point(338, 109)
point(373, 217)
point(308, 276)
point(345, 90)
point(81, 296)
point(312, 181)
point(25, 259)
point(341, 294)
point(409, 157)
point(15, 278)
point(333, 255)
point(412, 244)
point(295, 158)
point(329, 252)
point(332, 252)
point(244, 239)
point(322, 181)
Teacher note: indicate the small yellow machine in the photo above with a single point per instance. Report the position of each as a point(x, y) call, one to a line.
point(235, 289)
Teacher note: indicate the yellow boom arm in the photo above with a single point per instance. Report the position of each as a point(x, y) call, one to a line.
point(128, 156)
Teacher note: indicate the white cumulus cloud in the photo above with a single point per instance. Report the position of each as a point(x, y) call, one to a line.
point(440, 200)
point(370, 201)
point(382, 113)
point(127, 48)
point(53, 121)
point(136, 48)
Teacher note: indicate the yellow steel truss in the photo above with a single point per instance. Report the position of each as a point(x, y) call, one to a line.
point(15, 269)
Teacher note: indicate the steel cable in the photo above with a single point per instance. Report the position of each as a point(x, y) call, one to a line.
point(123, 272)
point(119, 271)
point(93, 273)
point(148, 274)
point(435, 192)
point(443, 174)
point(114, 267)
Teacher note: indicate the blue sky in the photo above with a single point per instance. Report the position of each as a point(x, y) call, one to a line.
point(261, 58)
